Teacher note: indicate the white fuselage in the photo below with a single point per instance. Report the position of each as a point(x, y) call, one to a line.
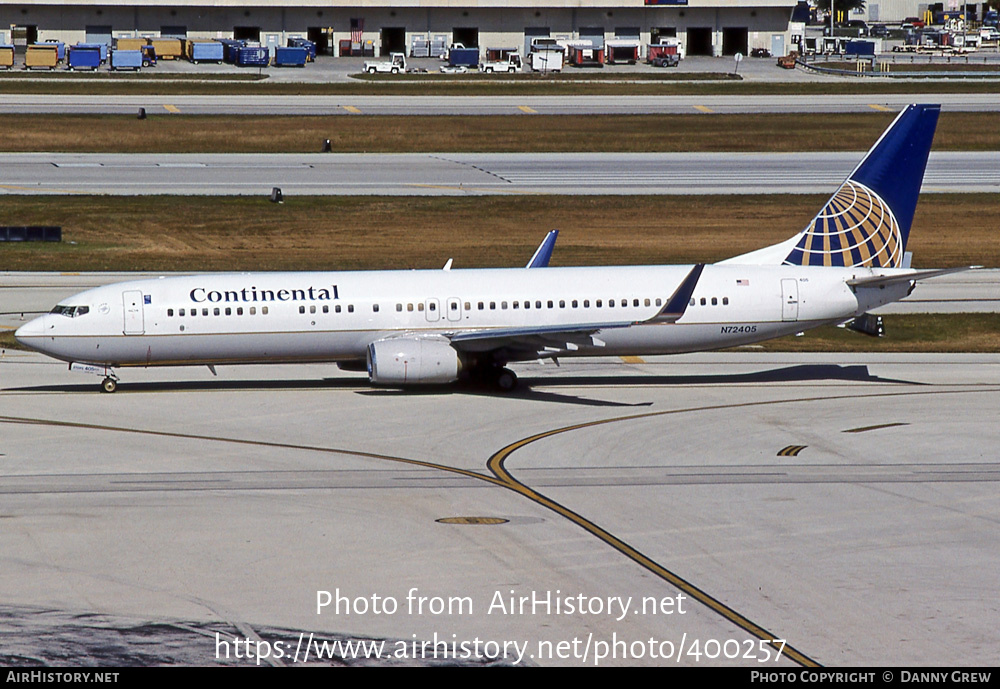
point(334, 316)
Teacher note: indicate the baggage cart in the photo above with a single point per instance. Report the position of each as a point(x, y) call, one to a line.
point(290, 57)
point(126, 59)
point(6, 56)
point(41, 56)
point(84, 56)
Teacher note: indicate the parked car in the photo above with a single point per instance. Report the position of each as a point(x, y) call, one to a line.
point(878, 31)
point(913, 23)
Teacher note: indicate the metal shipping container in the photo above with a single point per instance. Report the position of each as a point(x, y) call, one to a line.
point(205, 51)
point(130, 43)
point(6, 56)
point(252, 56)
point(290, 57)
point(41, 55)
point(167, 48)
point(126, 59)
point(84, 56)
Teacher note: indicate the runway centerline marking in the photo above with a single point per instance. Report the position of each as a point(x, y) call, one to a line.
point(525, 108)
point(880, 108)
point(171, 108)
point(351, 109)
point(702, 108)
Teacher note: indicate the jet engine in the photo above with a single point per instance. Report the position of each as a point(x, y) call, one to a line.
point(412, 361)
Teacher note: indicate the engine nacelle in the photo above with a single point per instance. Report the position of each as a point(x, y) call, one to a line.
point(413, 361)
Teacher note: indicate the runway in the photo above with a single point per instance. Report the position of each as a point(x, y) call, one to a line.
point(450, 174)
point(350, 105)
point(847, 497)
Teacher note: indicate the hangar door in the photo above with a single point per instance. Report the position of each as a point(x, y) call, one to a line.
point(735, 40)
point(699, 41)
point(393, 40)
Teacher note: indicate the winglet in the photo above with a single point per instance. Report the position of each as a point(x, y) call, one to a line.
point(544, 251)
point(678, 302)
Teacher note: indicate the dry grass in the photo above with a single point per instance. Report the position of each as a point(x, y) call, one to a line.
point(328, 233)
point(697, 132)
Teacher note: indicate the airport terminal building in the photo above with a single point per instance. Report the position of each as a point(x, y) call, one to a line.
point(416, 27)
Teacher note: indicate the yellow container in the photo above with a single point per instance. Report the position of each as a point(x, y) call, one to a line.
point(167, 48)
point(131, 43)
point(41, 56)
point(7, 56)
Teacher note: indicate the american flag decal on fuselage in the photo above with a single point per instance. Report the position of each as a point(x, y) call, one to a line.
point(855, 228)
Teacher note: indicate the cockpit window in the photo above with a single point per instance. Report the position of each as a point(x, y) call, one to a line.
point(71, 311)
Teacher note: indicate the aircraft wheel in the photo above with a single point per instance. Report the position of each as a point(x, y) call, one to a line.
point(109, 385)
point(506, 380)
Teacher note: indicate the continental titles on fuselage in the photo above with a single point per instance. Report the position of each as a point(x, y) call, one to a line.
point(252, 294)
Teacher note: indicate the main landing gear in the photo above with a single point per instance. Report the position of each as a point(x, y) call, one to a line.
point(109, 384)
point(494, 377)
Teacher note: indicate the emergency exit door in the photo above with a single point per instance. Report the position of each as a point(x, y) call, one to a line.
point(789, 300)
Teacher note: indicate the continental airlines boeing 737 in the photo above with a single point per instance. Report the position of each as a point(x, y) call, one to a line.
point(439, 326)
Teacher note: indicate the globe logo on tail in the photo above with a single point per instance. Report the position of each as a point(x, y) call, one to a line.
point(855, 228)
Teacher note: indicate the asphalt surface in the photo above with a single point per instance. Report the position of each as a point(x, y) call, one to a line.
point(467, 173)
point(681, 507)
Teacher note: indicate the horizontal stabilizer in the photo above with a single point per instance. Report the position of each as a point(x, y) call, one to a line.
point(909, 276)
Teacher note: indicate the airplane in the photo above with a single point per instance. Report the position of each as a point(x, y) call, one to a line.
point(419, 327)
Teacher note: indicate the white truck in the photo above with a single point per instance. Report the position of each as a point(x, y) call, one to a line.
point(510, 63)
point(395, 64)
point(546, 60)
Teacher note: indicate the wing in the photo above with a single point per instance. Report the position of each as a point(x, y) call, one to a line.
point(549, 341)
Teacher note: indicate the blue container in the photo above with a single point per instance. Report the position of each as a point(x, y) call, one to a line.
point(126, 59)
point(103, 47)
point(230, 49)
point(60, 49)
point(253, 57)
point(299, 42)
point(208, 51)
point(84, 57)
point(290, 57)
point(466, 57)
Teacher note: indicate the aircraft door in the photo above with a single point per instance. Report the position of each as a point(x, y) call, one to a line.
point(789, 300)
point(132, 307)
point(454, 309)
point(432, 310)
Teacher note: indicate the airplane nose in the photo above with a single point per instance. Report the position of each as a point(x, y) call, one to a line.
point(33, 328)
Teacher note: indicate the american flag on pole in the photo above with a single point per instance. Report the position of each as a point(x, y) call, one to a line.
point(357, 29)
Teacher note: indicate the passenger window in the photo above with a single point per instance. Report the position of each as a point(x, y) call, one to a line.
point(170, 313)
point(503, 305)
point(725, 301)
point(515, 304)
point(263, 310)
point(482, 306)
point(253, 310)
point(562, 303)
point(399, 307)
point(586, 303)
point(575, 304)
point(646, 302)
point(454, 306)
point(409, 307)
point(326, 308)
point(229, 311)
point(239, 311)
point(527, 304)
point(538, 304)
point(312, 308)
point(493, 306)
point(375, 308)
point(350, 308)
point(336, 308)
point(600, 302)
point(180, 312)
point(703, 302)
point(715, 301)
point(659, 302)
point(302, 309)
point(204, 312)
point(468, 306)
point(635, 302)
point(420, 307)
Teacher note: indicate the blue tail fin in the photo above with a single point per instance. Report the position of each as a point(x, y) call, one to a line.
point(867, 222)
